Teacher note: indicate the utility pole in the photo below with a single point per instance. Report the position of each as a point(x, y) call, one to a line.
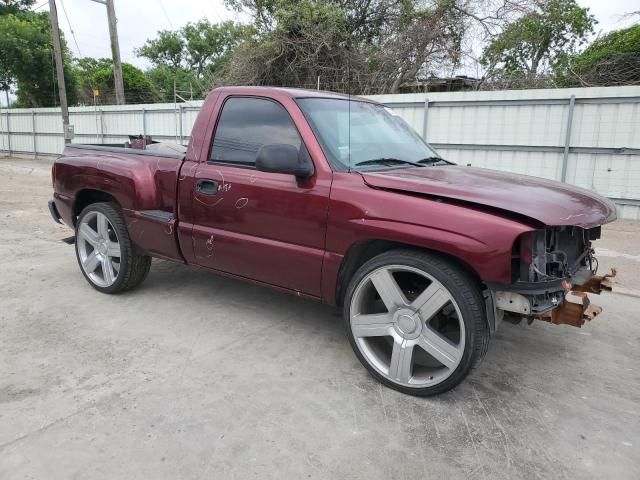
point(57, 51)
point(115, 50)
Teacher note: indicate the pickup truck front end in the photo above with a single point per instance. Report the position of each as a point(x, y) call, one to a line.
point(553, 270)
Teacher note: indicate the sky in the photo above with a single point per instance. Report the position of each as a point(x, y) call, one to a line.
point(139, 20)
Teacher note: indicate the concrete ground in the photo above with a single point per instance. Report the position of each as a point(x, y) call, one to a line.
point(194, 376)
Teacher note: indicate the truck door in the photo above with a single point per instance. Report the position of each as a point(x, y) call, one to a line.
point(268, 227)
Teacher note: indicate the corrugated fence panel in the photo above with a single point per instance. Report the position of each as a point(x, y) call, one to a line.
point(522, 131)
point(607, 125)
point(497, 125)
point(539, 164)
point(162, 124)
point(48, 122)
point(117, 125)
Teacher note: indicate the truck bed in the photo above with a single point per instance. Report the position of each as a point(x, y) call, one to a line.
point(143, 182)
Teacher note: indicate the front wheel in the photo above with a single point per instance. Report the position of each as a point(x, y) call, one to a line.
point(107, 257)
point(415, 321)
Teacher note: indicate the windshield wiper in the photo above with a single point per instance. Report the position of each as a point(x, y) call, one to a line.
point(383, 161)
point(432, 161)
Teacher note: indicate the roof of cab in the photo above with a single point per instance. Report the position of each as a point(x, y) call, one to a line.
point(293, 92)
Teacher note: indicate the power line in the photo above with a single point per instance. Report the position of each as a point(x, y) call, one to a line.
point(73, 34)
point(165, 14)
point(215, 12)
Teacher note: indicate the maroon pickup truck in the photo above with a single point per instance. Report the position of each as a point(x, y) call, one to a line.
point(338, 200)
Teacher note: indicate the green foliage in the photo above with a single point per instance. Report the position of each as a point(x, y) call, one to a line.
point(15, 6)
point(168, 49)
point(613, 59)
point(201, 46)
point(186, 83)
point(363, 46)
point(97, 74)
point(308, 38)
point(26, 60)
point(539, 40)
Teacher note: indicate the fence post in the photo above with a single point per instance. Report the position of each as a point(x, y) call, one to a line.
point(144, 122)
point(567, 138)
point(180, 117)
point(101, 126)
point(425, 121)
point(35, 135)
point(8, 133)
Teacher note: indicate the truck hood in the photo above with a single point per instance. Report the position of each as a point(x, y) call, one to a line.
point(546, 201)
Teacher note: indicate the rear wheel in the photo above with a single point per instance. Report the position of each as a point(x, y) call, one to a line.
point(415, 321)
point(107, 257)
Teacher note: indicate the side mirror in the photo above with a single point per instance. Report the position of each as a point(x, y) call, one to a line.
point(283, 158)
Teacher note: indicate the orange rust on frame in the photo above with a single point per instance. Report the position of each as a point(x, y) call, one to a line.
point(597, 284)
point(572, 313)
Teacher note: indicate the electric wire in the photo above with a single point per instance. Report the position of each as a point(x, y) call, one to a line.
point(73, 34)
point(165, 14)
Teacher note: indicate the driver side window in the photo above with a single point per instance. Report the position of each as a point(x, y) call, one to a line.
point(245, 125)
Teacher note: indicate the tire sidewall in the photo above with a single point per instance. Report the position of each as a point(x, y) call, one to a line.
point(428, 264)
point(117, 222)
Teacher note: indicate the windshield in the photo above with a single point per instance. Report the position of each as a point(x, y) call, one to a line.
point(358, 135)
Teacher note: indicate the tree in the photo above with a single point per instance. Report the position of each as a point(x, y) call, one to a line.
point(613, 59)
point(308, 39)
point(97, 74)
point(538, 41)
point(165, 78)
point(192, 53)
point(15, 6)
point(360, 46)
point(168, 49)
point(26, 60)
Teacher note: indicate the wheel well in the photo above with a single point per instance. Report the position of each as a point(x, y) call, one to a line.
point(360, 253)
point(87, 197)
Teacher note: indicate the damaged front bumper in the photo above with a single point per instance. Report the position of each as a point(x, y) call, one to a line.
point(576, 309)
point(571, 305)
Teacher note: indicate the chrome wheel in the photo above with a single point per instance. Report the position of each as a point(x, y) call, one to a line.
point(407, 326)
point(98, 249)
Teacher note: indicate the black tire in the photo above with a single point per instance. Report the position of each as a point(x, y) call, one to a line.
point(134, 267)
point(464, 289)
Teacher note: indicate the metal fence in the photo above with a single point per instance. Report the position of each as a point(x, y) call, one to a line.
point(588, 137)
point(39, 131)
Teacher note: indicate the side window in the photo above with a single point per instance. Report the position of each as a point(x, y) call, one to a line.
point(245, 125)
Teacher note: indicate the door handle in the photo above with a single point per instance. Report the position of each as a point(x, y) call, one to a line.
point(207, 187)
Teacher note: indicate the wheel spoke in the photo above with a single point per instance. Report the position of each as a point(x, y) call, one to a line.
point(388, 289)
point(377, 325)
point(113, 249)
point(88, 234)
point(401, 359)
point(102, 225)
point(107, 271)
point(440, 348)
point(431, 301)
point(91, 262)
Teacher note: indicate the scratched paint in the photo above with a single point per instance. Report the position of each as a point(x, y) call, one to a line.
point(242, 202)
point(210, 244)
point(214, 204)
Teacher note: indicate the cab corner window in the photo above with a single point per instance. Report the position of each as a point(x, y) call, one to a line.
point(245, 125)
